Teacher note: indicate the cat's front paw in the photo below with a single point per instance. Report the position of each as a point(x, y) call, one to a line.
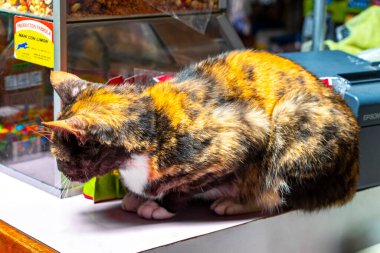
point(152, 210)
point(227, 206)
point(131, 202)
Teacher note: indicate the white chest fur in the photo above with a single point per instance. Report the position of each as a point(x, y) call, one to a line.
point(135, 173)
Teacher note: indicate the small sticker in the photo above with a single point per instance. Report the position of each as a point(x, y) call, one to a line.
point(34, 41)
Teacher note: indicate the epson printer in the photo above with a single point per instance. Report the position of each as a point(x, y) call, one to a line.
point(363, 96)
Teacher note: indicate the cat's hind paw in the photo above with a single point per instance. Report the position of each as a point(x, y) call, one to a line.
point(152, 210)
point(131, 202)
point(227, 206)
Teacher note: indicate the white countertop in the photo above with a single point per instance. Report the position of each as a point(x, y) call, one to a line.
point(75, 224)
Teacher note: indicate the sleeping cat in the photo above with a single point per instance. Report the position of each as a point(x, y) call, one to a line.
point(249, 130)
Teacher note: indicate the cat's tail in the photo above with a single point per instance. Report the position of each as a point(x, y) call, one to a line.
point(313, 151)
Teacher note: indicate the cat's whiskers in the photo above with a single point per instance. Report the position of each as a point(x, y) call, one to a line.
point(86, 176)
point(62, 183)
point(59, 183)
point(66, 187)
point(43, 134)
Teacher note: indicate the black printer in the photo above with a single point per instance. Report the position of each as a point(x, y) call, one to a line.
point(362, 95)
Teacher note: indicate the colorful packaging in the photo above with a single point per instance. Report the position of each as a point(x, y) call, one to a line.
point(104, 188)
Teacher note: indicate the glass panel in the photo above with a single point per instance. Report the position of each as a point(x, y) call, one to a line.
point(26, 99)
point(101, 51)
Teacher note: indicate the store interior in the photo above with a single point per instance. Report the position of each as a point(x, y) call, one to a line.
point(140, 40)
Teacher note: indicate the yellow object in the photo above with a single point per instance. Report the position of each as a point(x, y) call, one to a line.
point(364, 32)
point(33, 41)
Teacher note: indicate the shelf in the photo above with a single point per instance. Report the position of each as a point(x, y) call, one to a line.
point(105, 18)
point(26, 14)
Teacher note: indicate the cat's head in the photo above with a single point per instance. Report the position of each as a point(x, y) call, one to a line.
point(85, 136)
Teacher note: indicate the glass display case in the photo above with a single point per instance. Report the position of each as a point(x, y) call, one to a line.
point(97, 44)
point(126, 47)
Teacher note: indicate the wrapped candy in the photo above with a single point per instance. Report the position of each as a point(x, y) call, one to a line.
point(36, 7)
point(41, 7)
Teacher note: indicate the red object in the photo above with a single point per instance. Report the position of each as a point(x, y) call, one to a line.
point(327, 81)
point(88, 197)
point(119, 80)
point(162, 78)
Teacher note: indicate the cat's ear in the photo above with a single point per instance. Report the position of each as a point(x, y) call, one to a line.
point(67, 85)
point(72, 126)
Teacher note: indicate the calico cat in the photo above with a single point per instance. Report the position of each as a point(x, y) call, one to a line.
point(249, 130)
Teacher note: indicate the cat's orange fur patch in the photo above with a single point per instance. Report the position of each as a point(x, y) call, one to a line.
point(110, 104)
point(170, 101)
point(153, 171)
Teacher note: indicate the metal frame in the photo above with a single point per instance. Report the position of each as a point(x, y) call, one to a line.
point(60, 63)
point(319, 24)
point(60, 44)
point(229, 33)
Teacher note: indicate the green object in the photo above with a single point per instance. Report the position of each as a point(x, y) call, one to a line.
point(338, 9)
point(363, 32)
point(104, 188)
